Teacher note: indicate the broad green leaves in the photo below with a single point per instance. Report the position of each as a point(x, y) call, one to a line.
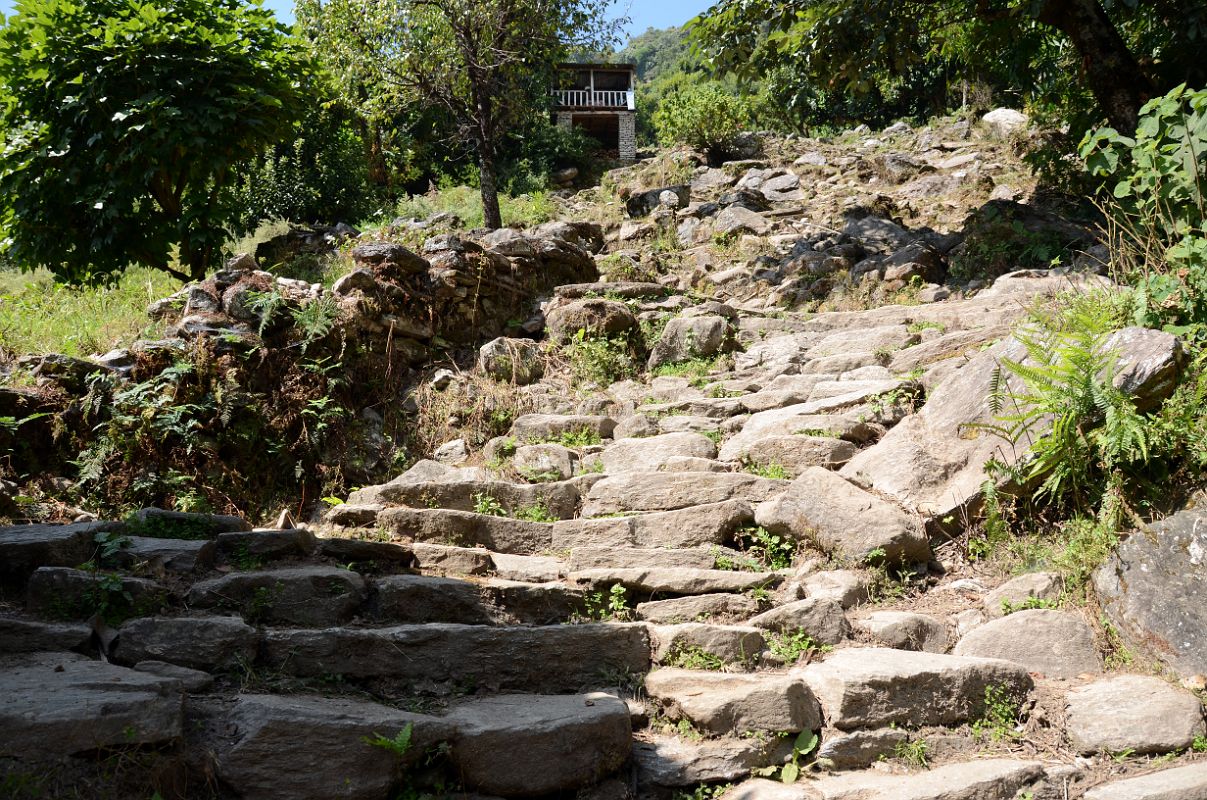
point(125, 121)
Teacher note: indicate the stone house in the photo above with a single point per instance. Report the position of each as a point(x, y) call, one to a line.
point(600, 99)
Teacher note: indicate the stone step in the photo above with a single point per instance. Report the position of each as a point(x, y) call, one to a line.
point(989, 779)
point(656, 582)
point(1057, 644)
point(660, 491)
point(696, 644)
point(54, 704)
point(503, 746)
point(588, 558)
point(560, 658)
point(698, 608)
point(556, 500)
point(695, 526)
point(728, 704)
point(314, 595)
point(1180, 783)
point(468, 529)
point(671, 763)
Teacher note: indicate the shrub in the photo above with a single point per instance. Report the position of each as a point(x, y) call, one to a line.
point(1158, 215)
point(703, 117)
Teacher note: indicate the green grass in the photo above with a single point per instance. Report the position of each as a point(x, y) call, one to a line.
point(38, 316)
point(466, 203)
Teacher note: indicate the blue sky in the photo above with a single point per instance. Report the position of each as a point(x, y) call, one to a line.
point(644, 13)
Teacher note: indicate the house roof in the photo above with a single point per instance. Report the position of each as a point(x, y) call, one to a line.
point(568, 65)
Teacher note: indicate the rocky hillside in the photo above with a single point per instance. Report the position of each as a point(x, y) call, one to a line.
point(701, 528)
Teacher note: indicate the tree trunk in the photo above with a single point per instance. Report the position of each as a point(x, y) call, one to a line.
point(492, 216)
point(1111, 71)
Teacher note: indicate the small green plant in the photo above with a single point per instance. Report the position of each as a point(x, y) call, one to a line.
point(925, 325)
point(315, 319)
point(1119, 655)
point(1027, 604)
point(773, 471)
point(399, 744)
point(577, 437)
point(488, 505)
point(1199, 745)
point(602, 360)
point(770, 550)
point(791, 646)
point(913, 752)
point(703, 792)
point(999, 722)
point(686, 656)
point(611, 607)
point(536, 512)
point(804, 744)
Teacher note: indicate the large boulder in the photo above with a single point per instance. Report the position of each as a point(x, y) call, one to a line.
point(844, 520)
point(516, 361)
point(590, 317)
point(1058, 644)
point(1152, 590)
point(1137, 713)
point(685, 338)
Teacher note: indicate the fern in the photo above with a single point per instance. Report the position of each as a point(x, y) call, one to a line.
point(1082, 435)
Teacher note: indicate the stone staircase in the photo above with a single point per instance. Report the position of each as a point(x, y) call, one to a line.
point(648, 618)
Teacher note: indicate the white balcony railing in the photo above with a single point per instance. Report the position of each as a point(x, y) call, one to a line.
point(585, 98)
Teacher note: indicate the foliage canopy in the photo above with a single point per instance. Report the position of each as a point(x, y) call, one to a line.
point(123, 123)
point(486, 63)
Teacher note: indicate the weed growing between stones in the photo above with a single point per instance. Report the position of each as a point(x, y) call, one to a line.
point(790, 647)
point(771, 470)
point(1000, 721)
point(686, 656)
point(613, 607)
point(913, 752)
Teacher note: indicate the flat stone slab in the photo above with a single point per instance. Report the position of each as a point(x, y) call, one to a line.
point(696, 526)
point(32, 636)
point(560, 499)
point(313, 748)
point(733, 644)
point(204, 643)
point(1154, 590)
point(468, 529)
point(530, 745)
point(1180, 783)
point(558, 658)
point(989, 779)
point(1015, 594)
point(698, 608)
point(453, 560)
point(844, 520)
point(24, 548)
point(173, 555)
point(650, 453)
point(722, 703)
point(665, 491)
point(57, 704)
point(315, 596)
point(1058, 644)
point(870, 687)
point(1138, 713)
point(585, 558)
point(673, 762)
point(674, 581)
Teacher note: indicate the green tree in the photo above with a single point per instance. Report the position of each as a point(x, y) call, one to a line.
point(1122, 50)
point(123, 123)
point(488, 63)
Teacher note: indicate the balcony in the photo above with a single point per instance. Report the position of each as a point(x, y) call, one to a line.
point(604, 99)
